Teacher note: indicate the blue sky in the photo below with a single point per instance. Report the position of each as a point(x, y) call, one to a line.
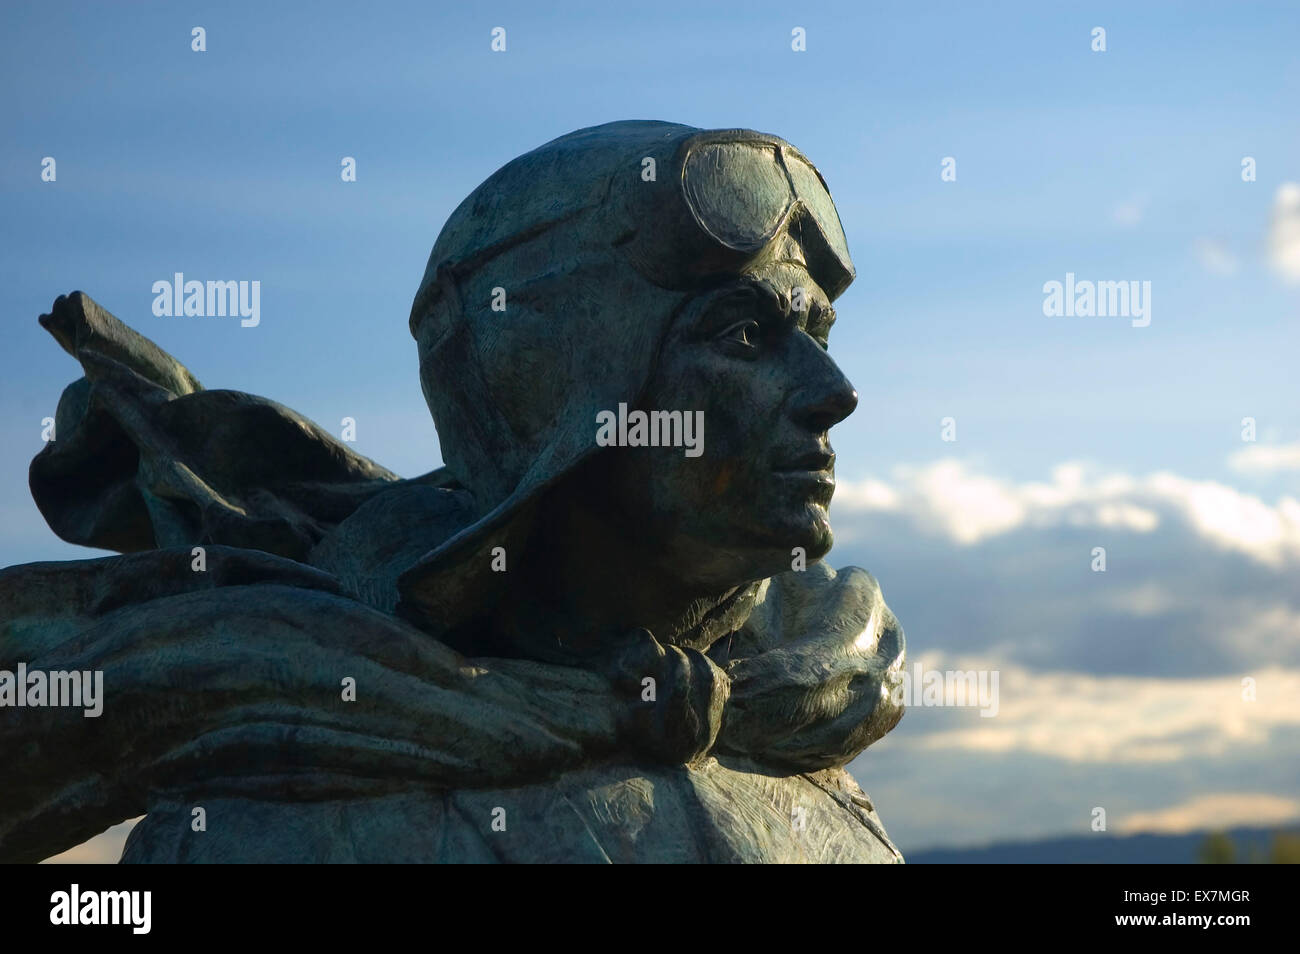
point(1122, 165)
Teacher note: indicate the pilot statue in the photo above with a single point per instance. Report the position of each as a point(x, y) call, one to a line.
point(553, 648)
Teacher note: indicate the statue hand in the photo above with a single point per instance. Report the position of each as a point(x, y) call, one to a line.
point(675, 697)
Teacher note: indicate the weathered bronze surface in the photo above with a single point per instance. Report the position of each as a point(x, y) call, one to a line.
point(601, 632)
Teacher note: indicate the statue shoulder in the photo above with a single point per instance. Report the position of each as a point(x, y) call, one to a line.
point(369, 550)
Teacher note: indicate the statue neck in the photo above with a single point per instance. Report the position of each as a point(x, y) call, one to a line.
point(584, 577)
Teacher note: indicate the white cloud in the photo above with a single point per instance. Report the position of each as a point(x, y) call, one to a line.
point(1130, 212)
point(1215, 811)
point(1233, 520)
point(948, 498)
point(968, 506)
point(1083, 718)
point(1266, 458)
point(1284, 234)
point(1215, 257)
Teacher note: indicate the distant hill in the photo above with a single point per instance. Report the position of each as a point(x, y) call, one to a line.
point(1251, 844)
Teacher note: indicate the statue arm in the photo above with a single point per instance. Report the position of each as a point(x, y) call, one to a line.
point(233, 681)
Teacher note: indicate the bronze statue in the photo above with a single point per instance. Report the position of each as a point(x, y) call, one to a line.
point(601, 632)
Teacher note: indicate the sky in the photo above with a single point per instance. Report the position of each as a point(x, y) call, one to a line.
point(1119, 689)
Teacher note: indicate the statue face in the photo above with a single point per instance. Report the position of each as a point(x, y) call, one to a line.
point(759, 371)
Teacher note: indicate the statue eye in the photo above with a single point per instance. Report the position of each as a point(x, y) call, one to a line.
point(745, 334)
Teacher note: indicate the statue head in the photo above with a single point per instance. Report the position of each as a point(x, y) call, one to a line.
point(639, 267)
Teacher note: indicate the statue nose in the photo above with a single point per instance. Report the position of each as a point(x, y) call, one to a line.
point(822, 408)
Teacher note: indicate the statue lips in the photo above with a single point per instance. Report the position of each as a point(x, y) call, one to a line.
point(813, 472)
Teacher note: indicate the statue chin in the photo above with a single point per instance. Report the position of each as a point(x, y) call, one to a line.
point(821, 543)
point(808, 529)
point(804, 541)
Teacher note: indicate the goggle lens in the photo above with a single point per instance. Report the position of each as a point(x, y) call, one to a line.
point(742, 191)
